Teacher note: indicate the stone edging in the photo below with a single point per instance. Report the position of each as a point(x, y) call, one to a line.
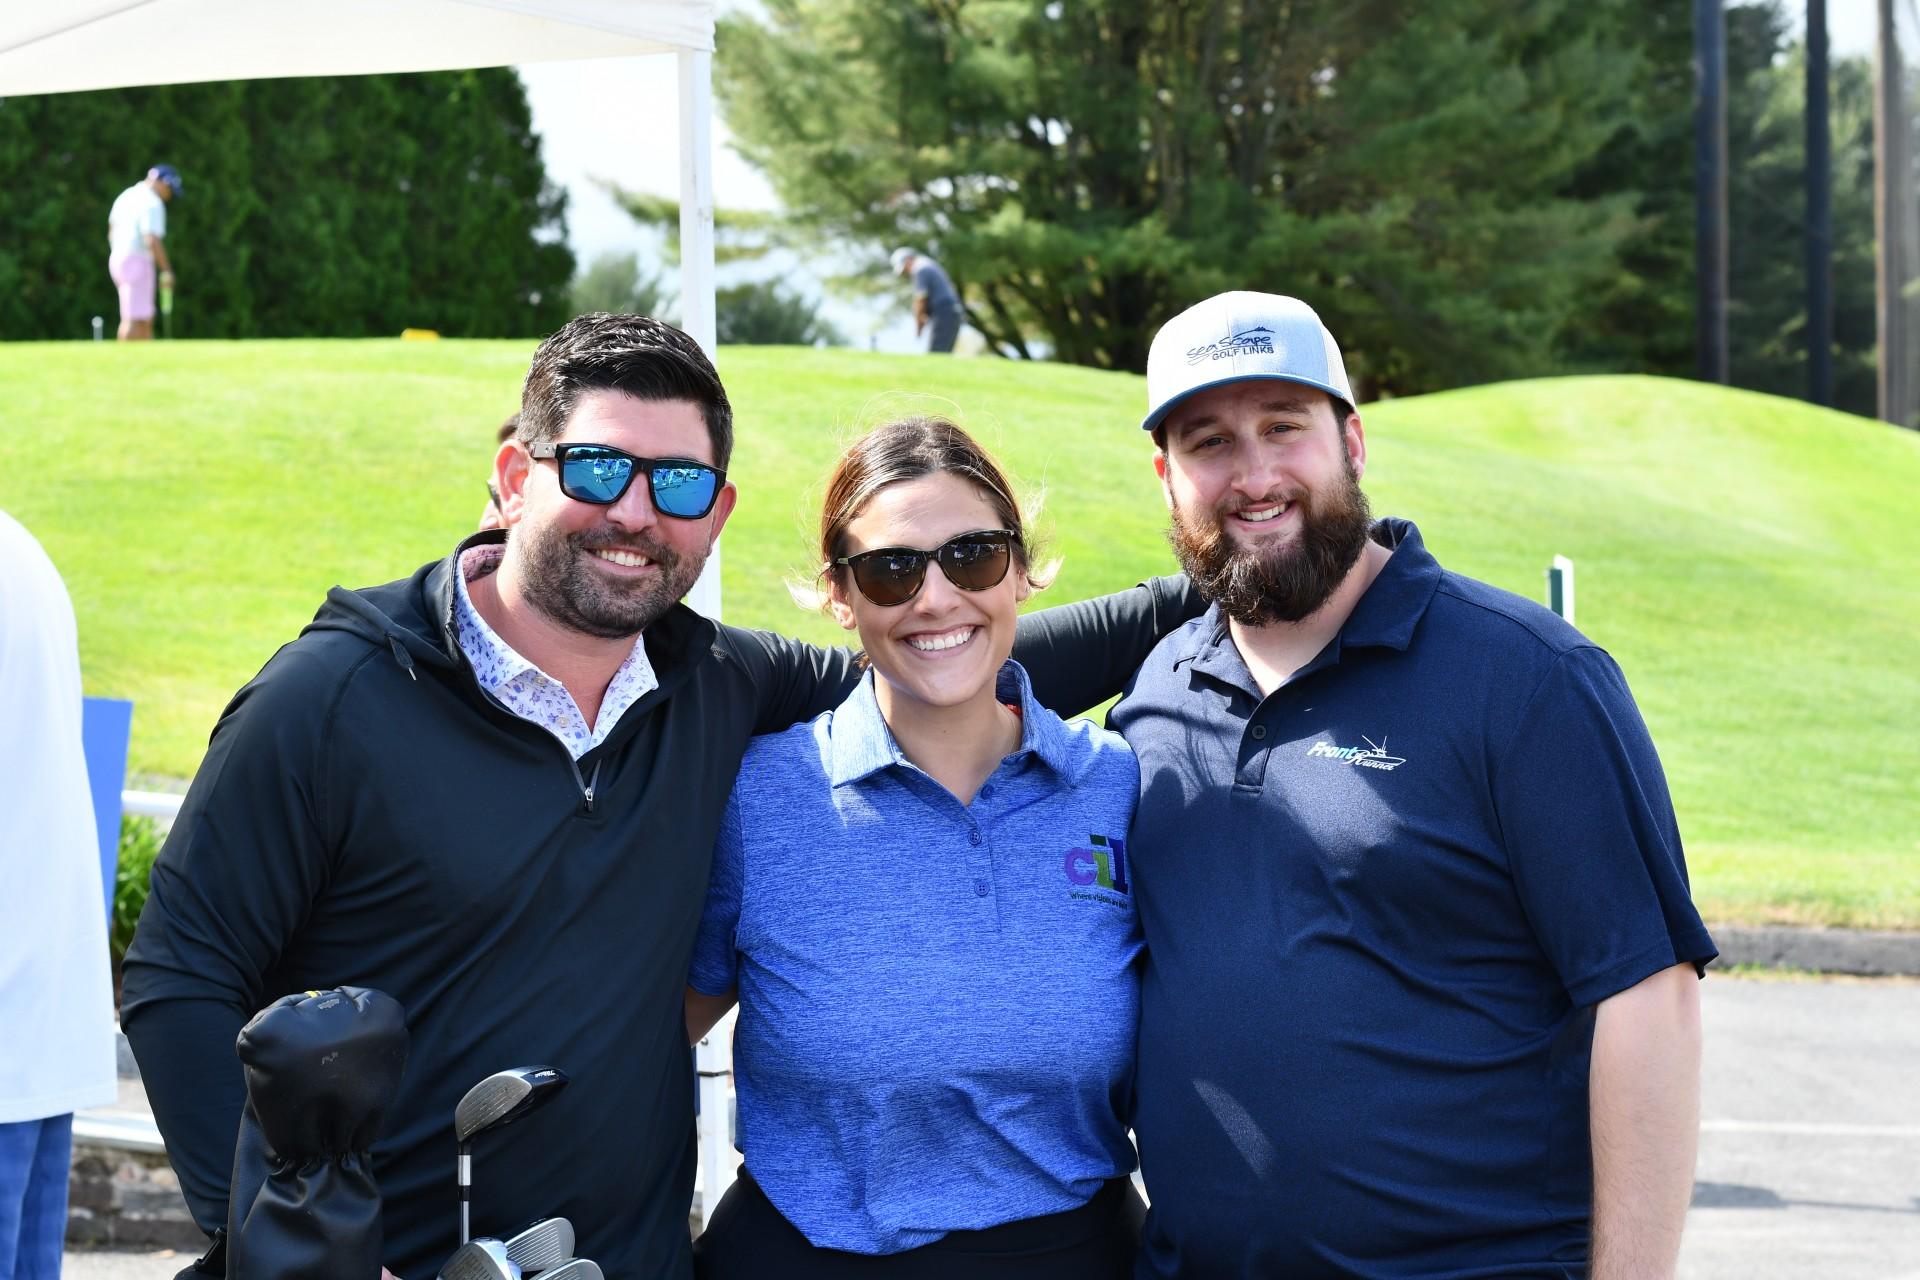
point(1870, 953)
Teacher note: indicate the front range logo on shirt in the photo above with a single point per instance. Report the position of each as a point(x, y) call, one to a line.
point(1100, 868)
point(1257, 341)
point(1372, 756)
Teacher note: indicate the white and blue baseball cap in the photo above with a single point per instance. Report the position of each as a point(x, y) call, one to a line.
point(1239, 337)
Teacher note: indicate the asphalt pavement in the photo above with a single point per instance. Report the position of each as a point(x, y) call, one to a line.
point(1809, 1150)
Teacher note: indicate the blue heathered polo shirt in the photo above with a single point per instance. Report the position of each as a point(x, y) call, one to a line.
point(1379, 906)
point(937, 1001)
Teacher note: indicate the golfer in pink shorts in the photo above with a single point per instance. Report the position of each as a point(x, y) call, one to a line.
point(136, 247)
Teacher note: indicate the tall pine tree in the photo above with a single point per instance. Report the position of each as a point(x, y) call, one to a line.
point(1085, 169)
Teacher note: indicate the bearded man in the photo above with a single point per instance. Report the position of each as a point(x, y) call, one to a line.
point(491, 790)
point(1420, 994)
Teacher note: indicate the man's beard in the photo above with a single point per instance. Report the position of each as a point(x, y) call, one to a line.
point(1289, 580)
point(559, 581)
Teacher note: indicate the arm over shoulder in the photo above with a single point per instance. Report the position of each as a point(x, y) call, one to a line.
point(793, 681)
point(1079, 655)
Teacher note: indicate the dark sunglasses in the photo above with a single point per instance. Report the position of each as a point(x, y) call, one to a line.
point(601, 474)
point(894, 575)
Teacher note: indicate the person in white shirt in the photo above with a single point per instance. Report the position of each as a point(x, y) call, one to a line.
point(56, 998)
point(137, 244)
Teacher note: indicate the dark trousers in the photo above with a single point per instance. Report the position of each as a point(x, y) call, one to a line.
point(945, 331)
point(748, 1239)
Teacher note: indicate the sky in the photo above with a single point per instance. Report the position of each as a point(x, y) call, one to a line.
point(619, 119)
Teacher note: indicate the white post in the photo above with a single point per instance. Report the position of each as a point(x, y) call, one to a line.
point(713, 1056)
point(713, 1062)
point(696, 249)
point(1560, 588)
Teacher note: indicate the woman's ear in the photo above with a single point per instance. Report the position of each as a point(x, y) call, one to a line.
point(837, 603)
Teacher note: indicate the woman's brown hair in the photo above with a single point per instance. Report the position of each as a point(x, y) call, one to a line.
point(909, 449)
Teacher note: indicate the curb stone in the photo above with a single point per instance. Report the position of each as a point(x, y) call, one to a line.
point(1866, 953)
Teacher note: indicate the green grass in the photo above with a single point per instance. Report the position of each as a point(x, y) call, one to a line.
point(1747, 559)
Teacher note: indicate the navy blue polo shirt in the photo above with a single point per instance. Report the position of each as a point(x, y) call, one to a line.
point(937, 1000)
point(1380, 905)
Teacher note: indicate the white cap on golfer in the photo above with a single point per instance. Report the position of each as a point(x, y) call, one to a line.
point(901, 257)
point(1236, 337)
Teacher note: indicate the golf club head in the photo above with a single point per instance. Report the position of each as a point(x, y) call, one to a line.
point(574, 1269)
point(481, 1259)
point(541, 1245)
point(505, 1096)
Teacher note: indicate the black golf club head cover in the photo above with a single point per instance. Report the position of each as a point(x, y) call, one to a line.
point(321, 1068)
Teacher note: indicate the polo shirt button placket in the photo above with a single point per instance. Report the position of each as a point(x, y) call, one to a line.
point(1250, 778)
point(982, 864)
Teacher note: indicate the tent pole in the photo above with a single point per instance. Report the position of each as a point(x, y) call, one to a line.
point(713, 1056)
point(697, 314)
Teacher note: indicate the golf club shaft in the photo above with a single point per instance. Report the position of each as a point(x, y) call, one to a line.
point(464, 1176)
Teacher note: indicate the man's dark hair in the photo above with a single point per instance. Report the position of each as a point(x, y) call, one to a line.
point(510, 428)
point(636, 355)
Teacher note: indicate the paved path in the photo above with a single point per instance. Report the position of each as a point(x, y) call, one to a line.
point(1810, 1150)
point(1810, 1155)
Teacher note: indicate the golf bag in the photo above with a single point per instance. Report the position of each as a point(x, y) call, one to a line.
point(321, 1068)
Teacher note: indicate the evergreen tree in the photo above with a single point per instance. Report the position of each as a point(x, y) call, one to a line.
point(767, 313)
point(616, 282)
point(322, 206)
point(1083, 170)
point(1766, 318)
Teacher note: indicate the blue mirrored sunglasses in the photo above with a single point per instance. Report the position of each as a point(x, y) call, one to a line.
point(601, 474)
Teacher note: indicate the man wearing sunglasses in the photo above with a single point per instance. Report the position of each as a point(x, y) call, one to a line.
point(491, 790)
point(1416, 913)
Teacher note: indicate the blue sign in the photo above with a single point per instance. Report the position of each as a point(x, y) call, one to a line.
point(106, 725)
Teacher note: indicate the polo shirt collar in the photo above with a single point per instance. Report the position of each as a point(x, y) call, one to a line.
point(1385, 616)
point(862, 745)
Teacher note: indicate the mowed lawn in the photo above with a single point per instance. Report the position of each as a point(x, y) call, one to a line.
point(1748, 560)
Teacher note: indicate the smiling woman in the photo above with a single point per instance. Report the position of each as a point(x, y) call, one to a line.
point(921, 902)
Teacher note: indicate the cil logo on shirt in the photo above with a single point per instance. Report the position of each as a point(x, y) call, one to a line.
point(1104, 866)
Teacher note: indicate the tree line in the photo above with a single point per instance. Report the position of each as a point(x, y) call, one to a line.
point(1468, 190)
point(325, 206)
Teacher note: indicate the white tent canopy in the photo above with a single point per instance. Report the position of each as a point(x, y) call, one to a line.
point(106, 44)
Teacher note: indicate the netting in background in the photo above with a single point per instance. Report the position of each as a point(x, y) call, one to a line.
point(1899, 223)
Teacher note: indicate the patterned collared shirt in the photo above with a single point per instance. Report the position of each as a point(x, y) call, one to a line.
point(525, 689)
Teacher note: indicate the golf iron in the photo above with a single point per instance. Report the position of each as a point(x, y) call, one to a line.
point(497, 1101)
point(546, 1243)
point(482, 1259)
point(574, 1269)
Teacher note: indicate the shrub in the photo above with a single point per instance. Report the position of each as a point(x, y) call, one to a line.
point(617, 282)
point(765, 313)
point(139, 846)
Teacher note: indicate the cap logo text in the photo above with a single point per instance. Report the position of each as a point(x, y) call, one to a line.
point(1257, 341)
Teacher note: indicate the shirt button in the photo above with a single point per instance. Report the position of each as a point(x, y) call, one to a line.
point(974, 838)
point(1259, 732)
point(980, 888)
point(986, 791)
